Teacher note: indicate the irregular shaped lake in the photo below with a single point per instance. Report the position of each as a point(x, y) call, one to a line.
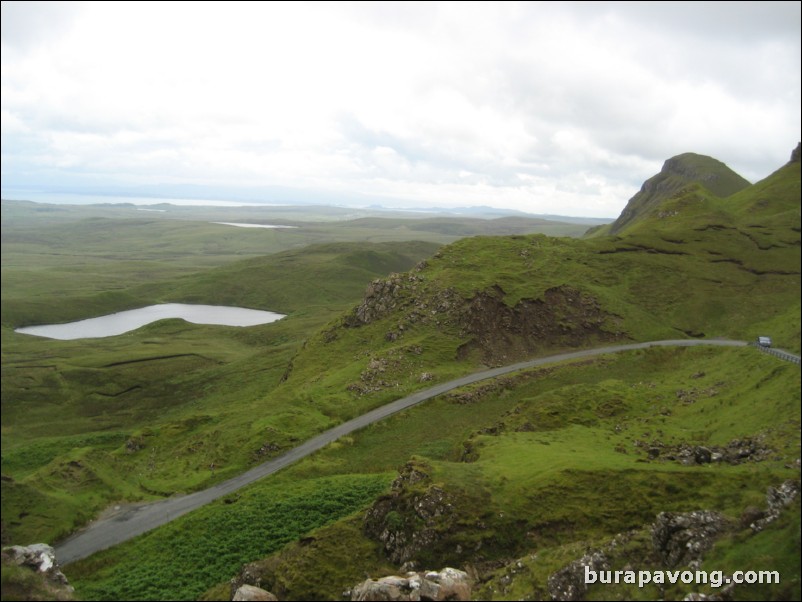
point(238, 225)
point(125, 321)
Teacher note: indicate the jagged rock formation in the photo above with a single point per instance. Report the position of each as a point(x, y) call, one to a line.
point(682, 538)
point(795, 154)
point(737, 451)
point(569, 582)
point(777, 498)
point(677, 540)
point(678, 173)
point(447, 584)
point(565, 317)
point(39, 558)
point(412, 517)
point(408, 293)
point(250, 575)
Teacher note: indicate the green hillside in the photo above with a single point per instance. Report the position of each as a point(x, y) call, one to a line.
point(677, 174)
point(517, 477)
point(528, 471)
point(90, 421)
point(95, 257)
point(551, 474)
point(716, 269)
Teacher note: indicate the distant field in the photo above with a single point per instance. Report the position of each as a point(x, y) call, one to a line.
point(79, 252)
point(78, 415)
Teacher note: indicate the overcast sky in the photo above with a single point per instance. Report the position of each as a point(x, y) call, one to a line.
point(545, 107)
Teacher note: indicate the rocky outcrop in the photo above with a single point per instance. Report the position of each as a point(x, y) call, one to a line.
point(39, 558)
point(383, 370)
point(737, 451)
point(447, 584)
point(680, 539)
point(251, 592)
point(412, 517)
point(569, 582)
point(380, 298)
point(777, 498)
point(564, 317)
point(796, 153)
point(722, 595)
point(400, 292)
point(252, 574)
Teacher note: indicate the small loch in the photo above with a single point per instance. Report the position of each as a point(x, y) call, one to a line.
point(243, 225)
point(126, 321)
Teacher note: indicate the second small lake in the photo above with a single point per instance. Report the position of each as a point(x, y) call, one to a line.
point(241, 225)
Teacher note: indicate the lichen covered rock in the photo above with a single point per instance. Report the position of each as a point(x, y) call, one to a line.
point(680, 538)
point(447, 584)
point(39, 558)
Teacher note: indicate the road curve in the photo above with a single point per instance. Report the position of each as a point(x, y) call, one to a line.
point(132, 520)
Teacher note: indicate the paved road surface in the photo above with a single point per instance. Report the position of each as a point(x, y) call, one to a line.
point(135, 519)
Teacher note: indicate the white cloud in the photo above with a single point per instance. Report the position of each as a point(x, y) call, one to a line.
point(549, 107)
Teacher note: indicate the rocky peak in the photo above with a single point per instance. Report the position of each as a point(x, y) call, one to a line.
point(677, 173)
point(694, 167)
point(796, 152)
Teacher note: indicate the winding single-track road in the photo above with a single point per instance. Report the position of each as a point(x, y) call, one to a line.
point(128, 521)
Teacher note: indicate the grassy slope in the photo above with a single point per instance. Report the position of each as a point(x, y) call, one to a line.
point(144, 414)
point(677, 173)
point(578, 476)
point(181, 560)
point(556, 456)
point(722, 267)
point(95, 257)
point(703, 276)
point(699, 274)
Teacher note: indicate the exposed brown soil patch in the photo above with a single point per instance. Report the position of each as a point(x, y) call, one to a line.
point(564, 318)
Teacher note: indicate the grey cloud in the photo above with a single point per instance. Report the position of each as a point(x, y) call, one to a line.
point(25, 25)
point(733, 20)
point(429, 158)
point(736, 21)
point(602, 93)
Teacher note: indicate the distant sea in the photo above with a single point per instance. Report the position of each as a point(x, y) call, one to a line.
point(69, 198)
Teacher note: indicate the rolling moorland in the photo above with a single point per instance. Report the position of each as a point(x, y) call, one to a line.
point(104, 259)
point(511, 479)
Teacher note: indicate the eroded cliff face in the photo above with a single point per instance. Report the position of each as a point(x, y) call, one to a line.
point(565, 317)
point(415, 516)
point(495, 331)
point(423, 522)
